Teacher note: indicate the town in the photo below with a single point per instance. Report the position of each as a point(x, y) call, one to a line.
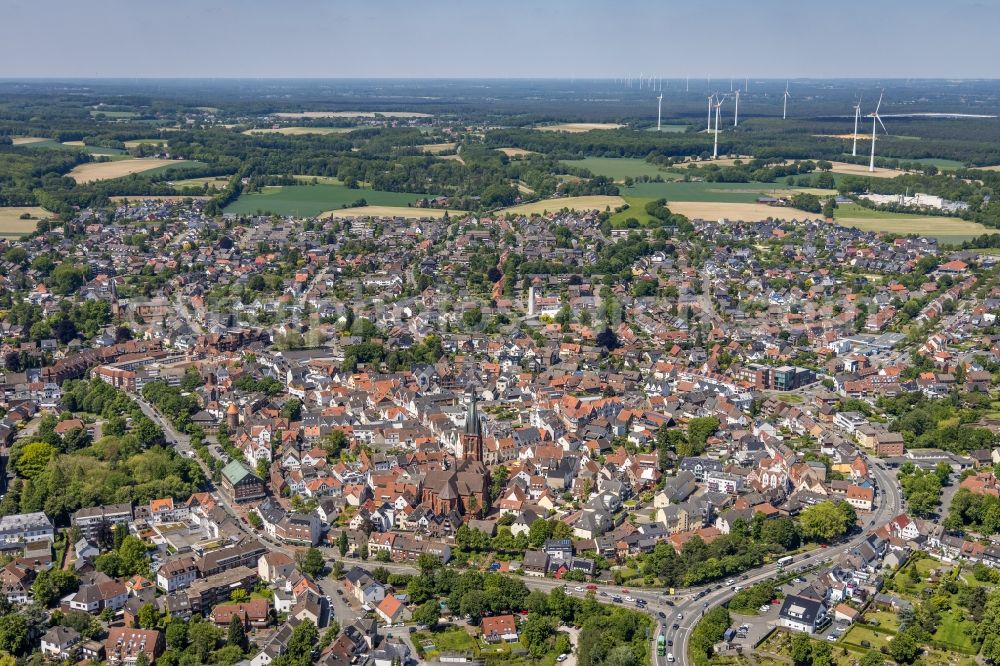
point(251, 440)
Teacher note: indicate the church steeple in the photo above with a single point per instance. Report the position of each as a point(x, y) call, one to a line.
point(472, 438)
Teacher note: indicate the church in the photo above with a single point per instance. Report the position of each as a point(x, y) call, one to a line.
point(465, 486)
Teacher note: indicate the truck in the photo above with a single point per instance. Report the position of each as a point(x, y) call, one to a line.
point(661, 645)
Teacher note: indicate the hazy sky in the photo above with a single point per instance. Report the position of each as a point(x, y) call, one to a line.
point(506, 38)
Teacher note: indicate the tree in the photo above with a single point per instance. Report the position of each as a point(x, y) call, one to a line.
point(33, 459)
point(13, 634)
point(801, 649)
point(427, 614)
point(823, 521)
point(67, 278)
point(204, 637)
point(535, 632)
point(872, 658)
point(177, 635)
point(133, 555)
point(237, 634)
point(311, 563)
point(148, 617)
point(904, 648)
point(342, 544)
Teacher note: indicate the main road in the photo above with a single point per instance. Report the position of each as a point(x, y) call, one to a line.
point(888, 506)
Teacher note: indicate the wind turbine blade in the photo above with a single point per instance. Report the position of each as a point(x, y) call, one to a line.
point(879, 103)
point(879, 118)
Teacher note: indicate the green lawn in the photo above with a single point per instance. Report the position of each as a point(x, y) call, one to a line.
point(858, 633)
point(309, 200)
point(619, 168)
point(952, 630)
point(449, 640)
point(853, 210)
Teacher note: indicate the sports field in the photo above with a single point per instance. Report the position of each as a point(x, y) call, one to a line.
point(310, 200)
point(298, 131)
point(92, 171)
point(574, 128)
point(352, 114)
point(11, 224)
point(392, 211)
point(521, 152)
point(618, 168)
point(593, 202)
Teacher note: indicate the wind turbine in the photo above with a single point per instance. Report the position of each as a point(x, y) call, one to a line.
point(874, 116)
point(659, 107)
point(715, 146)
point(857, 117)
point(687, 84)
point(784, 108)
point(710, 98)
point(736, 114)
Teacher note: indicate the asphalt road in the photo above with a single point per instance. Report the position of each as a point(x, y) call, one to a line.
point(888, 506)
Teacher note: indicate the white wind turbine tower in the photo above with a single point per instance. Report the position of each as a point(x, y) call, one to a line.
point(715, 146)
point(857, 117)
point(736, 114)
point(710, 98)
point(784, 107)
point(874, 116)
point(659, 107)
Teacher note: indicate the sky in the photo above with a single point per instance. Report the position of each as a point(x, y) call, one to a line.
point(500, 39)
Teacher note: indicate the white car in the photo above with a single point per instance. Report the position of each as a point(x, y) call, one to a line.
point(629, 599)
point(670, 657)
point(578, 588)
point(563, 657)
point(832, 638)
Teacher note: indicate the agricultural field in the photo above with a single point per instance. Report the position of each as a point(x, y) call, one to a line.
point(392, 211)
point(160, 197)
point(117, 115)
point(310, 200)
point(619, 168)
point(299, 131)
point(575, 128)
point(352, 114)
point(593, 202)
point(11, 224)
point(862, 170)
point(435, 148)
point(216, 182)
point(27, 140)
point(318, 180)
point(92, 171)
point(675, 129)
point(941, 164)
point(945, 229)
point(135, 143)
point(515, 153)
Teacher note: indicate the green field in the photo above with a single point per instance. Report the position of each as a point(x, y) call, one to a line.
point(113, 114)
point(310, 200)
point(940, 163)
point(640, 194)
point(180, 166)
point(945, 229)
point(619, 168)
point(670, 128)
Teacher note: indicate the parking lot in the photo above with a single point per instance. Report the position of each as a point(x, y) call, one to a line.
point(757, 627)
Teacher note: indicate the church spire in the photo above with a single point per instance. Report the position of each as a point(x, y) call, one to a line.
point(472, 438)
